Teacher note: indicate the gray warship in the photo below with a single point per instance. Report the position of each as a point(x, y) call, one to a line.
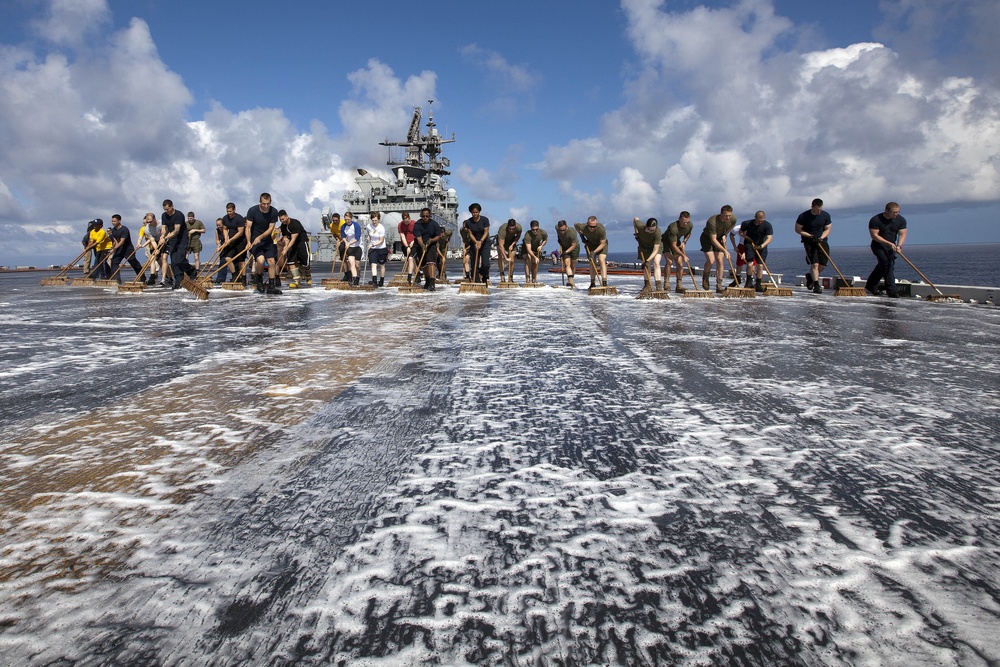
point(418, 170)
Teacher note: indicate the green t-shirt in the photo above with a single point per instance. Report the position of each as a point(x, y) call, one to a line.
point(647, 238)
point(443, 241)
point(514, 235)
point(676, 234)
point(717, 228)
point(535, 239)
point(593, 238)
point(568, 239)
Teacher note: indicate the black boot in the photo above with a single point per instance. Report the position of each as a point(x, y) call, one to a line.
point(757, 286)
point(258, 280)
point(272, 286)
point(381, 281)
point(431, 287)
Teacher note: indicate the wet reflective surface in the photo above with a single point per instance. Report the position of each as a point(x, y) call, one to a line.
point(536, 477)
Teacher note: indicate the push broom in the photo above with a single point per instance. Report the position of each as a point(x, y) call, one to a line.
point(474, 287)
point(772, 289)
point(60, 278)
point(850, 290)
point(940, 296)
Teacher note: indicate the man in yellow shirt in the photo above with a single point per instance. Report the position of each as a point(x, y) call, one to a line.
point(101, 242)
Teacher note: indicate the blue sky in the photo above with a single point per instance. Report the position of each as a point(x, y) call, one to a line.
point(620, 109)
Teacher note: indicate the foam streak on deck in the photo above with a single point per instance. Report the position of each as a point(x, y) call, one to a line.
point(535, 477)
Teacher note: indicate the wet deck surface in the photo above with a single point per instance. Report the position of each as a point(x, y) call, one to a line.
point(530, 478)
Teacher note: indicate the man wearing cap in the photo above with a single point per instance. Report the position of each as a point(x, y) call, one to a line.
point(479, 233)
point(534, 245)
point(123, 250)
point(674, 240)
point(426, 233)
point(595, 237)
point(507, 238)
point(814, 227)
point(648, 237)
point(569, 250)
point(88, 254)
point(101, 242)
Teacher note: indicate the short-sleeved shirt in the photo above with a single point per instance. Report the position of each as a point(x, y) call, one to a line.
point(172, 222)
point(350, 233)
point(122, 234)
point(567, 239)
point(291, 228)
point(813, 224)
point(405, 229)
point(505, 232)
point(149, 234)
point(535, 238)
point(101, 238)
point(647, 240)
point(757, 233)
point(445, 240)
point(195, 227)
point(714, 226)
point(478, 230)
point(888, 229)
point(260, 222)
point(425, 230)
point(592, 238)
point(235, 226)
point(676, 234)
point(376, 232)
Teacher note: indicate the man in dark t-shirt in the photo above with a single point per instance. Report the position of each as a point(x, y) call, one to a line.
point(478, 227)
point(123, 250)
point(234, 242)
point(175, 243)
point(814, 226)
point(426, 234)
point(261, 220)
point(296, 250)
point(888, 232)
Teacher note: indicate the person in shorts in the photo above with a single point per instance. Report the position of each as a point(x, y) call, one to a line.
point(378, 251)
point(814, 228)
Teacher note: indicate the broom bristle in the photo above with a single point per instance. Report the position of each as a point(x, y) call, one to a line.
point(603, 291)
point(739, 293)
point(473, 288)
point(193, 287)
point(234, 286)
point(777, 291)
point(698, 294)
point(850, 291)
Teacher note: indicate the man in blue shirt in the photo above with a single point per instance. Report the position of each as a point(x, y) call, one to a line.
point(759, 234)
point(814, 226)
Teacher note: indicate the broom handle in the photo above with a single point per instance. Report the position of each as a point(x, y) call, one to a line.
point(124, 262)
point(475, 265)
point(149, 260)
point(820, 244)
point(763, 263)
point(729, 257)
point(106, 258)
point(226, 263)
point(694, 283)
point(900, 253)
point(417, 269)
point(70, 266)
point(208, 264)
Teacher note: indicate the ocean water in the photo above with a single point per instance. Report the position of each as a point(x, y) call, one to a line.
point(533, 477)
point(959, 264)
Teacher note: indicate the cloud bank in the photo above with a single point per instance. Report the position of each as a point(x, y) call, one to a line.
point(723, 111)
point(84, 128)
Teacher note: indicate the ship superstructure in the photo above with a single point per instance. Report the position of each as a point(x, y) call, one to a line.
point(418, 170)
